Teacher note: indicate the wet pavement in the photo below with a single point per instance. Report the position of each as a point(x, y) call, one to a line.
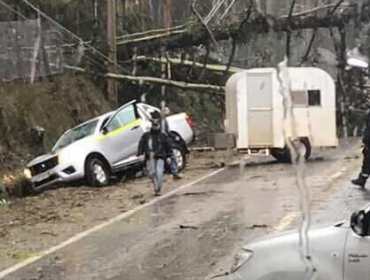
point(194, 233)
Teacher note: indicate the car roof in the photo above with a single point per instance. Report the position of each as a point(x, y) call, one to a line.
point(102, 117)
point(94, 119)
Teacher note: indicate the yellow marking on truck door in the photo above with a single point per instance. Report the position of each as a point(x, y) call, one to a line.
point(120, 129)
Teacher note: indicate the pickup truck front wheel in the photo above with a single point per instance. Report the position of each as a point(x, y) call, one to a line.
point(97, 172)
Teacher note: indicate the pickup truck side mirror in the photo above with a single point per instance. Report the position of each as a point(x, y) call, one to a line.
point(359, 224)
point(104, 130)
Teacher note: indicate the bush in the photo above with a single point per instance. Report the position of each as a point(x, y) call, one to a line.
point(15, 186)
point(3, 195)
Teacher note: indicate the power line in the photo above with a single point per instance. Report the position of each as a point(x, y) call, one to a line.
point(70, 33)
point(91, 59)
point(94, 50)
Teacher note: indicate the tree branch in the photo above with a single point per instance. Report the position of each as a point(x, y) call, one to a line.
point(259, 24)
point(336, 7)
point(178, 61)
point(287, 48)
point(193, 7)
point(158, 81)
point(308, 51)
point(208, 51)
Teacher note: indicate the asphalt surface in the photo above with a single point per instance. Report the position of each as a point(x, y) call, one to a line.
point(194, 233)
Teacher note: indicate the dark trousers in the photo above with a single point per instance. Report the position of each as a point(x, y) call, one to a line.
point(365, 172)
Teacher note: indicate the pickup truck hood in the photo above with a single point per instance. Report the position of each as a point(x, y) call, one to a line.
point(319, 236)
point(71, 149)
point(41, 159)
point(278, 257)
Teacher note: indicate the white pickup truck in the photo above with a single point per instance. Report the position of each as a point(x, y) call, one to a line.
point(339, 252)
point(103, 146)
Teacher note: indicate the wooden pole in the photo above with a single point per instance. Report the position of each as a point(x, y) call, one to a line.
point(112, 51)
point(36, 50)
point(167, 13)
point(164, 74)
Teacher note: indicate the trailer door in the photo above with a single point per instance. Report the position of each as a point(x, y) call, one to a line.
point(259, 113)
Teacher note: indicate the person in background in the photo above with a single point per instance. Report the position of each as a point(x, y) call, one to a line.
point(365, 170)
point(155, 147)
point(165, 129)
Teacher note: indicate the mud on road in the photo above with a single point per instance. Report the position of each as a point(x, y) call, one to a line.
point(33, 224)
point(188, 236)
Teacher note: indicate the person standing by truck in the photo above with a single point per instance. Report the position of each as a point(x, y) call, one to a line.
point(365, 170)
point(165, 129)
point(155, 147)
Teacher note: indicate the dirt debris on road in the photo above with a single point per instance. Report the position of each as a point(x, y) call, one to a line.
point(32, 224)
point(231, 210)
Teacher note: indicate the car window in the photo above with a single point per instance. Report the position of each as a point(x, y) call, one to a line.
point(76, 134)
point(124, 117)
point(299, 98)
point(314, 98)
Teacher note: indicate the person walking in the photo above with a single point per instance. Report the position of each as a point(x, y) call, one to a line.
point(365, 170)
point(165, 129)
point(155, 147)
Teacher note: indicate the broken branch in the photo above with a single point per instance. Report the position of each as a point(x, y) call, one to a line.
point(177, 61)
point(260, 25)
point(336, 7)
point(308, 51)
point(159, 81)
point(187, 227)
point(287, 50)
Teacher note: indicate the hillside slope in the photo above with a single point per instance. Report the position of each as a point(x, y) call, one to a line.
point(54, 106)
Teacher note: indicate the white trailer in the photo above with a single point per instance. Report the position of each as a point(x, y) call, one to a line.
point(255, 111)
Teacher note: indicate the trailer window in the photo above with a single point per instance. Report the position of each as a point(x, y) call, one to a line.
point(314, 98)
point(299, 98)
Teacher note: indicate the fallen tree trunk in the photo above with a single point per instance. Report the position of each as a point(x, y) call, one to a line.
point(219, 90)
point(180, 62)
point(196, 35)
point(166, 82)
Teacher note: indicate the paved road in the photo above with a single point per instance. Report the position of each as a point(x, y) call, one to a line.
point(193, 234)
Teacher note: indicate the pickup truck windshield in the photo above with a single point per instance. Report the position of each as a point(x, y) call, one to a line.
point(75, 134)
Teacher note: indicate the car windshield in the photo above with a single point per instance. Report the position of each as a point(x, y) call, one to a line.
point(75, 134)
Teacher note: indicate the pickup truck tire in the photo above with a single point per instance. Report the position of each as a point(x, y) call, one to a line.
point(97, 172)
point(180, 157)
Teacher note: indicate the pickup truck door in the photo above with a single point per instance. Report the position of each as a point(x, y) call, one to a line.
point(122, 134)
point(357, 257)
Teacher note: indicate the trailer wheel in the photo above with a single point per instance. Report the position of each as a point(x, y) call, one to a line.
point(280, 155)
point(305, 147)
point(283, 155)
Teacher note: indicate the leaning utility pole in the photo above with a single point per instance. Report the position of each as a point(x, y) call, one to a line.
point(112, 51)
point(167, 18)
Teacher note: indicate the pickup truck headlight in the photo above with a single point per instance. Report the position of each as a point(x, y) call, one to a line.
point(27, 172)
point(240, 259)
point(63, 158)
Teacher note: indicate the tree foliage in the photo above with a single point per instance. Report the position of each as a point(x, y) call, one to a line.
point(251, 34)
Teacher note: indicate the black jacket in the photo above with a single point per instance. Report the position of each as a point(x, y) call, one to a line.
point(366, 138)
point(159, 145)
